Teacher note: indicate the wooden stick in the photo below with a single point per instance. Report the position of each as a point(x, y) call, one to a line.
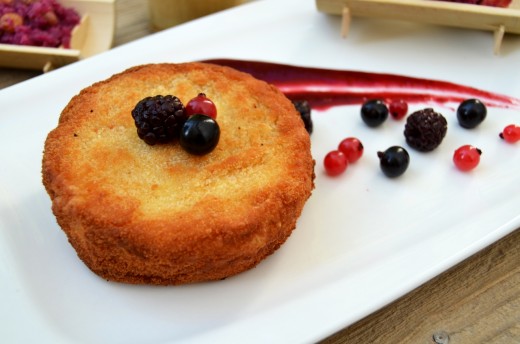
point(498, 36)
point(345, 22)
point(47, 67)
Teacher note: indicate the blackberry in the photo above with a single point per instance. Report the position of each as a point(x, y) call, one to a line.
point(425, 129)
point(303, 107)
point(159, 119)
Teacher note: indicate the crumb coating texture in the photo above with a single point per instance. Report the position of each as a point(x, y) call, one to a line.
point(158, 215)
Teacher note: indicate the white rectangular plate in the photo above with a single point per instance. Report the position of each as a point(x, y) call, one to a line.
point(362, 241)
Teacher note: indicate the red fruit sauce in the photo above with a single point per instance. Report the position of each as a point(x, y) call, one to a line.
point(492, 3)
point(325, 88)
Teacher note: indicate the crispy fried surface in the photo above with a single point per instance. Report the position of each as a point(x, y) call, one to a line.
point(156, 214)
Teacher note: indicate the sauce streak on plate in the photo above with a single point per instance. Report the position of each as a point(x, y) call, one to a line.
point(325, 88)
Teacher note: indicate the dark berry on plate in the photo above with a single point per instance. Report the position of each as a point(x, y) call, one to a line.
point(425, 129)
point(159, 119)
point(352, 148)
point(394, 161)
point(398, 109)
point(511, 133)
point(335, 163)
point(471, 113)
point(374, 112)
point(466, 157)
point(303, 107)
point(201, 105)
point(200, 134)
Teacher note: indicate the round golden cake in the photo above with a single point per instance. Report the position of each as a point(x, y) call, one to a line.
point(157, 214)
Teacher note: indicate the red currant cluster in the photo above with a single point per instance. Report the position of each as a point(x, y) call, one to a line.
point(349, 151)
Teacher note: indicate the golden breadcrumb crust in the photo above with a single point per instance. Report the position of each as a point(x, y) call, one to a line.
point(158, 215)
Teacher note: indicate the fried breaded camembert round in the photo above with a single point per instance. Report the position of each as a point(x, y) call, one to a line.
point(157, 214)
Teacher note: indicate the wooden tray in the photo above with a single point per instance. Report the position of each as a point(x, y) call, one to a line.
point(497, 19)
point(93, 35)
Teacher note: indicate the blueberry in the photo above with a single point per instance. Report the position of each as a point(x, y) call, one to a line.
point(374, 112)
point(304, 108)
point(199, 134)
point(394, 161)
point(471, 113)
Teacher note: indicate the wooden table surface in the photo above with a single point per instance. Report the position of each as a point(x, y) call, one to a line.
point(477, 301)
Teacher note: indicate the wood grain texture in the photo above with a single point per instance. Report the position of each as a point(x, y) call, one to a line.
point(132, 21)
point(477, 301)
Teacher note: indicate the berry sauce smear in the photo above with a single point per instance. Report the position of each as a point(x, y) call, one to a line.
point(325, 88)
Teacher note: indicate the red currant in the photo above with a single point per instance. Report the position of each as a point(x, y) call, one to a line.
point(511, 133)
point(466, 157)
point(352, 148)
point(398, 108)
point(335, 163)
point(201, 105)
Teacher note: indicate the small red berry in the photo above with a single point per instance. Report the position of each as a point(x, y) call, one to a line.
point(335, 163)
point(398, 108)
point(466, 157)
point(511, 133)
point(201, 105)
point(352, 148)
